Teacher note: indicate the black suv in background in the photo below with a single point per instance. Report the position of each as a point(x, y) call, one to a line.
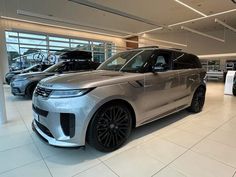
point(34, 68)
point(72, 61)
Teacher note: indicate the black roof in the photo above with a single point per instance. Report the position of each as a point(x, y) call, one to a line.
point(76, 54)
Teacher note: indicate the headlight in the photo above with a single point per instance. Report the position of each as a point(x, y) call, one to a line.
point(69, 93)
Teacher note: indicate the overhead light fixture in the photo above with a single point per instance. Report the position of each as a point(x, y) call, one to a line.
point(202, 34)
point(148, 31)
point(113, 11)
point(193, 20)
point(201, 18)
point(225, 25)
point(191, 8)
point(218, 55)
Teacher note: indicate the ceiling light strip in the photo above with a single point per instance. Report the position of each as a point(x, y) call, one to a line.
point(218, 55)
point(202, 34)
point(148, 31)
point(113, 11)
point(201, 18)
point(192, 20)
point(225, 25)
point(191, 8)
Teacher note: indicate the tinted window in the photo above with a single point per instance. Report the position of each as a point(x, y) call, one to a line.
point(185, 61)
point(161, 60)
point(81, 66)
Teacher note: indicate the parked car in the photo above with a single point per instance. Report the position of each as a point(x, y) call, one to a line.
point(128, 90)
point(24, 84)
point(34, 68)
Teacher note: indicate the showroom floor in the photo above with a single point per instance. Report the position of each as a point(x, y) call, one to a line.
point(196, 145)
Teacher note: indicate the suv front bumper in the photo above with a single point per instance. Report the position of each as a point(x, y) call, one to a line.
point(63, 122)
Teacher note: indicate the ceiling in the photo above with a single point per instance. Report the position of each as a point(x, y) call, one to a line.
point(122, 17)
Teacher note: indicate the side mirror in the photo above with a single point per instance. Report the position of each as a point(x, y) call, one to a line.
point(159, 67)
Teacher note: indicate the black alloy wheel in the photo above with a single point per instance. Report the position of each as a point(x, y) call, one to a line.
point(110, 127)
point(198, 100)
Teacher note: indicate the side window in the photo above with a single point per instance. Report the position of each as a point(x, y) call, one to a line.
point(162, 61)
point(197, 63)
point(183, 61)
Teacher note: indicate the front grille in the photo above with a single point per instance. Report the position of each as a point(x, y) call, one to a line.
point(43, 91)
point(44, 129)
point(39, 111)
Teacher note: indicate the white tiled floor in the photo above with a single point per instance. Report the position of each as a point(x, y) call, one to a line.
point(180, 145)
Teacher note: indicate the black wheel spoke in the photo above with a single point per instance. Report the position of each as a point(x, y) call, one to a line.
point(113, 126)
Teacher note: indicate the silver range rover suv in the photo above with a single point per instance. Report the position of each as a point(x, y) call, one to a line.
point(128, 90)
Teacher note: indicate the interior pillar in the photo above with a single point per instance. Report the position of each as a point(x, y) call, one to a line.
point(3, 56)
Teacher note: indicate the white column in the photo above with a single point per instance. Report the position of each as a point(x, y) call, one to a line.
point(3, 55)
point(3, 51)
point(3, 115)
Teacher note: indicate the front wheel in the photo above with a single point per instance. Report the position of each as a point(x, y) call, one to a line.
point(110, 127)
point(198, 100)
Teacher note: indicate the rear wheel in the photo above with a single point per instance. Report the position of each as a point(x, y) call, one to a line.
point(198, 100)
point(110, 127)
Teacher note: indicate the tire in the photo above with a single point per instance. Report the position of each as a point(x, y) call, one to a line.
point(110, 127)
point(30, 90)
point(198, 100)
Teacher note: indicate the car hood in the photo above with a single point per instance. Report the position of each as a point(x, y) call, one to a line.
point(89, 79)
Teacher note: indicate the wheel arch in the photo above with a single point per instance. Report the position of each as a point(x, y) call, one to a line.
point(30, 84)
point(112, 101)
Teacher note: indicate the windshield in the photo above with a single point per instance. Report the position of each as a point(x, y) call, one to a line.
point(129, 61)
point(56, 68)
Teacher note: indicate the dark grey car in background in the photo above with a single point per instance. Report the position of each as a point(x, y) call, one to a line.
point(34, 68)
point(76, 61)
point(130, 89)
